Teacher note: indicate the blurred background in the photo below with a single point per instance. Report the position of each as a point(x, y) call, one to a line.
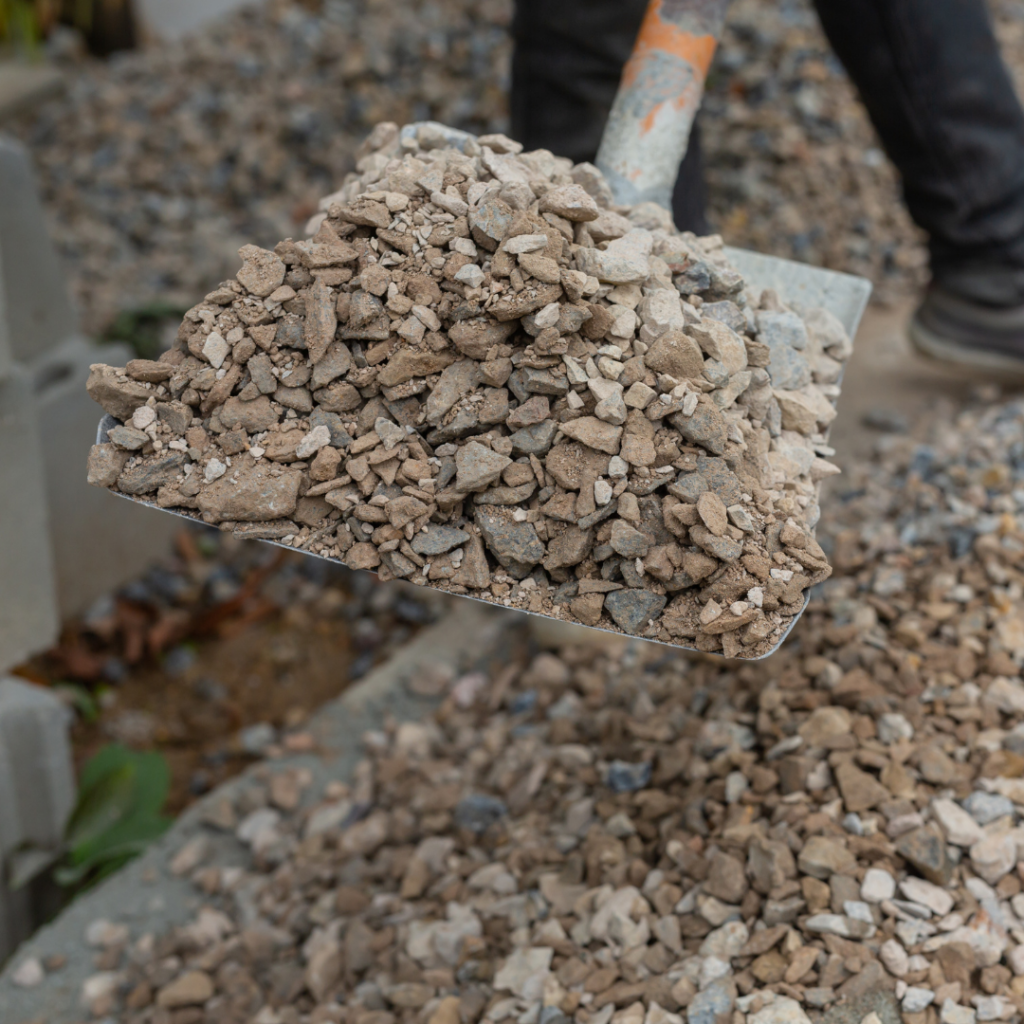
point(145, 141)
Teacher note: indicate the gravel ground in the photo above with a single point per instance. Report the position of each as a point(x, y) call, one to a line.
point(157, 166)
point(617, 834)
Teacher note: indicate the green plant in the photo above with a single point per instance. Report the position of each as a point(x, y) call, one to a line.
point(25, 23)
point(121, 794)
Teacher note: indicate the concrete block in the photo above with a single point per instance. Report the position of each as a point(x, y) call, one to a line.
point(37, 792)
point(28, 606)
point(171, 19)
point(99, 541)
point(39, 311)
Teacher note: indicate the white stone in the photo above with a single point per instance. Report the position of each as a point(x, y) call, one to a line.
point(895, 958)
point(602, 491)
point(214, 470)
point(959, 827)
point(617, 467)
point(993, 1007)
point(917, 999)
point(893, 727)
point(29, 973)
point(878, 885)
point(100, 985)
point(623, 322)
point(781, 1010)
point(470, 275)
point(1006, 694)
point(727, 941)
point(216, 350)
point(548, 316)
point(938, 900)
point(317, 438)
point(994, 857)
point(144, 416)
point(104, 934)
point(954, 1013)
point(525, 243)
point(574, 401)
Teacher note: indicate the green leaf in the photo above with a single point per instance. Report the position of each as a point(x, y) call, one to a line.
point(101, 806)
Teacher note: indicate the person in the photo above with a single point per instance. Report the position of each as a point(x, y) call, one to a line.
point(942, 102)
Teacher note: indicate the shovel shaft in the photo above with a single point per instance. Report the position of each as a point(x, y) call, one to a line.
point(662, 86)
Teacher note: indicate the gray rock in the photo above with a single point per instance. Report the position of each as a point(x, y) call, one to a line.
point(624, 777)
point(985, 808)
point(438, 540)
point(490, 221)
point(478, 467)
point(725, 549)
point(786, 337)
point(506, 495)
point(535, 440)
point(713, 1005)
point(151, 474)
point(129, 438)
point(291, 333)
point(706, 427)
point(260, 373)
point(925, 849)
point(515, 545)
point(631, 609)
point(456, 381)
point(177, 416)
point(332, 421)
point(627, 541)
point(478, 812)
point(334, 363)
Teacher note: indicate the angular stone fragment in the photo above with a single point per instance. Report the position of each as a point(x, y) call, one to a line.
point(321, 321)
point(571, 202)
point(262, 271)
point(515, 545)
point(594, 433)
point(569, 548)
point(706, 427)
point(409, 363)
point(478, 467)
point(632, 609)
point(624, 261)
point(251, 492)
point(150, 474)
point(105, 464)
point(118, 398)
point(437, 539)
point(252, 417)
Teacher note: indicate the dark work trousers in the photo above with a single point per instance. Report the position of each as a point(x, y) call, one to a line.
point(929, 73)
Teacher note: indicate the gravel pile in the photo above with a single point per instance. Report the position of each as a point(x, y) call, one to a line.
point(618, 835)
point(158, 165)
point(480, 375)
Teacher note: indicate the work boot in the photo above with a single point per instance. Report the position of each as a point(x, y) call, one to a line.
point(956, 330)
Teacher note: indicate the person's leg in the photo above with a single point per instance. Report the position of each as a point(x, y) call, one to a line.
point(941, 99)
point(568, 60)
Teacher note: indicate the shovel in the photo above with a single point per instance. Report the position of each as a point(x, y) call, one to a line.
point(643, 146)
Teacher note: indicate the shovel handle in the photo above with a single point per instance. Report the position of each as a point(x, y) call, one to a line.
point(660, 93)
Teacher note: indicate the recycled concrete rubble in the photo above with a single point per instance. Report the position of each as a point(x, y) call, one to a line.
point(613, 833)
point(480, 375)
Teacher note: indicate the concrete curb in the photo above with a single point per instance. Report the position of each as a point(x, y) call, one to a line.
point(147, 897)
